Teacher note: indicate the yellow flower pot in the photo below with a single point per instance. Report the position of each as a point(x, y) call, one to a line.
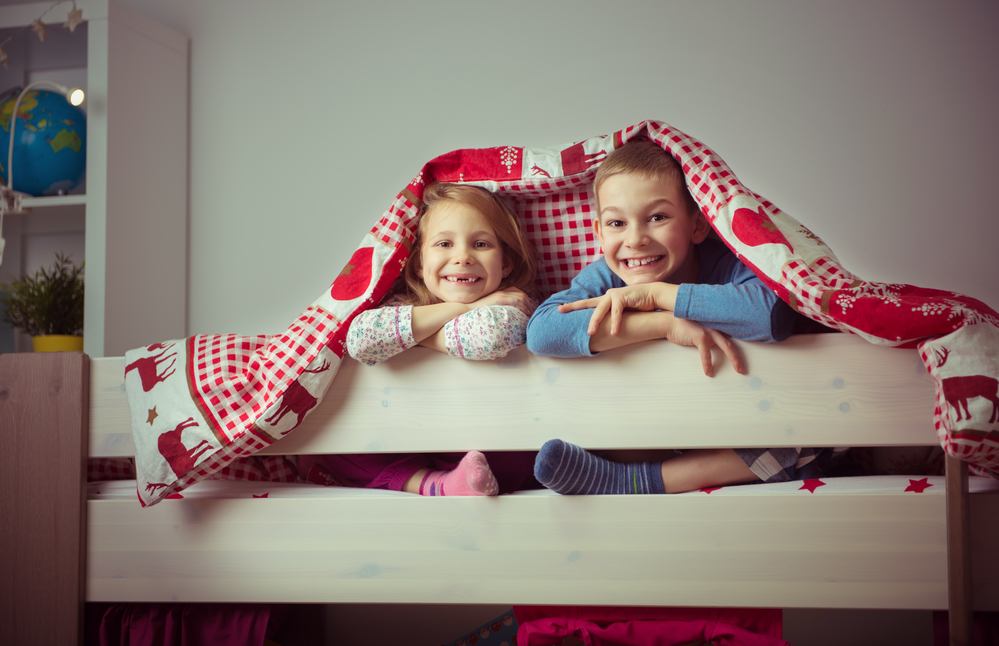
point(57, 343)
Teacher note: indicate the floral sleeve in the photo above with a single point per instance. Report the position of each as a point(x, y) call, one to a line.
point(378, 334)
point(485, 333)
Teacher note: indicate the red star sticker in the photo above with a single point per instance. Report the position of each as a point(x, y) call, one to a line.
point(812, 484)
point(710, 489)
point(918, 486)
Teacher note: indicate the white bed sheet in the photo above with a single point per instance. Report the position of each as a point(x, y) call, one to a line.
point(222, 489)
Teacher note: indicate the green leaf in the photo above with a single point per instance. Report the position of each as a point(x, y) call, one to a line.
point(49, 302)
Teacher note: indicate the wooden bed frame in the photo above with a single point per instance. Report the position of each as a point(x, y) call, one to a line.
point(832, 551)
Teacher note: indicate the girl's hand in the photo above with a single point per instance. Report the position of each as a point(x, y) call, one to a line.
point(691, 334)
point(647, 298)
point(509, 296)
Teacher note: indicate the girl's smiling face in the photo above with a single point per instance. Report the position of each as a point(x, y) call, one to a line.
point(646, 231)
point(462, 259)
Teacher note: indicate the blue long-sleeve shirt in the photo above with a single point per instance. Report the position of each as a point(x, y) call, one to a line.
point(727, 297)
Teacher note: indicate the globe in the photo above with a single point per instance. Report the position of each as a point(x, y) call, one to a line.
point(50, 143)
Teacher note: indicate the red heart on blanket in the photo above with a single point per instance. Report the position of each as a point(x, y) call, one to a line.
point(755, 228)
point(353, 281)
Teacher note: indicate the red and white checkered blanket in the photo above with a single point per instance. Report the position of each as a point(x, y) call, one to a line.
point(199, 403)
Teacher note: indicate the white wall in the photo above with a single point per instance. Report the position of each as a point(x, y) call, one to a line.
point(872, 123)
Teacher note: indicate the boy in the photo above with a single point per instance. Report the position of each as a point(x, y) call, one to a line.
point(661, 277)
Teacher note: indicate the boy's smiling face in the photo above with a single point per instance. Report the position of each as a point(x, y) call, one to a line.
point(646, 231)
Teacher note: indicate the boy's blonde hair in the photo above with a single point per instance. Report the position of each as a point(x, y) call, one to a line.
point(648, 160)
point(500, 217)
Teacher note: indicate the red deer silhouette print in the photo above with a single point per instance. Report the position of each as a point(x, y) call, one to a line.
point(958, 390)
point(181, 458)
point(148, 369)
point(576, 160)
point(296, 400)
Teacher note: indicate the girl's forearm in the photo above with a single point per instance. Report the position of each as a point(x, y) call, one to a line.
point(429, 319)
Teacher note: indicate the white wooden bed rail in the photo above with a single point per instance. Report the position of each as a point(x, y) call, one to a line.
point(811, 390)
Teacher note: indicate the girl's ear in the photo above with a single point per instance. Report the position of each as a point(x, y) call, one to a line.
point(701, 228)
point(507, 263)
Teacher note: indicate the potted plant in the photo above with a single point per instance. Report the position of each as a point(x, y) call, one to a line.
point(48, 306)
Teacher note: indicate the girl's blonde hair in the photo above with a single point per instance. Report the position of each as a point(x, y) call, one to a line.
point(500, 217)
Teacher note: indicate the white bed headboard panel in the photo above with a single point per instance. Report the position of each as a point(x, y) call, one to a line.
point(811, 390)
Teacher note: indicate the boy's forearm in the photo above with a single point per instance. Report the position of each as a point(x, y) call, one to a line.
point(666, 296)
point(635, 328)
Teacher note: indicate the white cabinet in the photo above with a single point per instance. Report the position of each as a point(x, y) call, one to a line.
point(135, 211)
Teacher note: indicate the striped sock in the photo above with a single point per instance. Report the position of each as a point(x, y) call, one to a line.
point(569, 469)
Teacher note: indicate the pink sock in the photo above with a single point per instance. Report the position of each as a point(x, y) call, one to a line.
point(472, 477)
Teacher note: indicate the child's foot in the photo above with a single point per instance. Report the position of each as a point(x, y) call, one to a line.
point(472, 477)
point(569, 469)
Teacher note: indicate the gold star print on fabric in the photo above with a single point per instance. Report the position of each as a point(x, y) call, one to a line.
point(152, 415)
point(346, 270)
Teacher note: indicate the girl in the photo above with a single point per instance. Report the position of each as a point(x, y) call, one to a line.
point(468, 282)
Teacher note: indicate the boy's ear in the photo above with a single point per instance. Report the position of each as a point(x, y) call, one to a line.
point(596, 230)
point(701, 228)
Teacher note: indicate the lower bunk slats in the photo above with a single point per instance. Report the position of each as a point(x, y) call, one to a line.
point(837, 551)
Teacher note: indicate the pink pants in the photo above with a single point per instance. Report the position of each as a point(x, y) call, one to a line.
point(514, 470)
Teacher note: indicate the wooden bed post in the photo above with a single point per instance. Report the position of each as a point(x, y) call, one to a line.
point(959, 601)
point(44, 421)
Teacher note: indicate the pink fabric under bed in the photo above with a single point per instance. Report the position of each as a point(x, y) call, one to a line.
point(624, 626)
point(219, 398)
point(182, 624)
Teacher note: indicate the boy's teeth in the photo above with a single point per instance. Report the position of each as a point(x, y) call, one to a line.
point(642, 261)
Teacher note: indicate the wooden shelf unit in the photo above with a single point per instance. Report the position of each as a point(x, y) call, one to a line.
point(136, 202)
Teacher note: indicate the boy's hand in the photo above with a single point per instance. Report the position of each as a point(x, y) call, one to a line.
point(508, 296)
point(646, 297)
point(691, 334)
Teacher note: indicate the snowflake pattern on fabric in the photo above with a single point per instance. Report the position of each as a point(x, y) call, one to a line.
point(508, 157)
point(882, 291)
point(960, 311)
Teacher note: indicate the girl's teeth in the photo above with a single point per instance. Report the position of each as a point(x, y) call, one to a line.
point(452, 279)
